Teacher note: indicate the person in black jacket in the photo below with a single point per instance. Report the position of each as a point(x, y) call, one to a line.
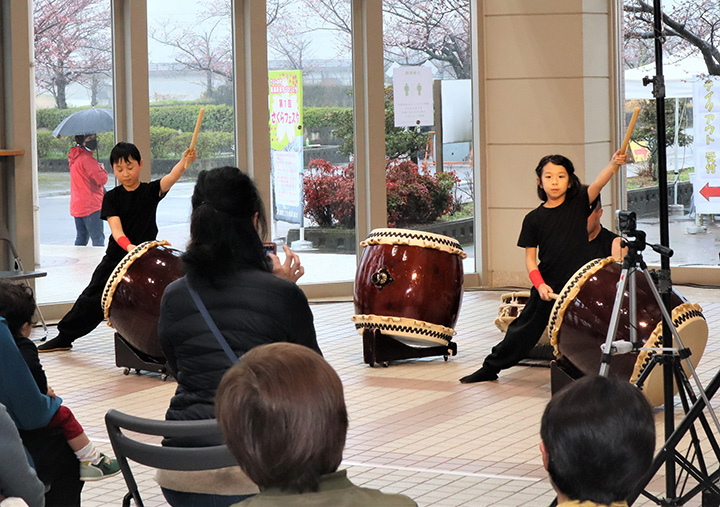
point(251, 297)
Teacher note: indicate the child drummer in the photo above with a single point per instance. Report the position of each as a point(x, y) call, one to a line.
point(556, 233)
point(130, 210)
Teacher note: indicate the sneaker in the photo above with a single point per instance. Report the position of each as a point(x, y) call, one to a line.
point(56, 344)
point(106, 468)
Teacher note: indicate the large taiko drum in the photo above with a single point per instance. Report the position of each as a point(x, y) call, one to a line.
point(132, 295)
point(581, 315)
point(409, 286)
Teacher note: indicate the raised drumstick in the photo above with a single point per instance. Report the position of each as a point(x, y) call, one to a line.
point(630, 128)
point(197, 131)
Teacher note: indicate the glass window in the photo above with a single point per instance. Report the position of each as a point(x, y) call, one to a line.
point(311, 135)
point(428, 118)
point(190, 67)
point(73, 66)
point(690, 151)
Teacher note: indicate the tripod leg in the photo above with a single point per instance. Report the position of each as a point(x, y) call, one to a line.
point(614, 321)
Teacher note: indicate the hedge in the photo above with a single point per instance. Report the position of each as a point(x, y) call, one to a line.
point(218, 118)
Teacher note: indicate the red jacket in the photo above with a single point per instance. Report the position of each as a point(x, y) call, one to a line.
point(87, 180)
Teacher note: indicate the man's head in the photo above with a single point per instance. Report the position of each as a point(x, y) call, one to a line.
point(593, 221)
point(17, 305)
point(126, 163)
point(283, 414)
point(598, 439)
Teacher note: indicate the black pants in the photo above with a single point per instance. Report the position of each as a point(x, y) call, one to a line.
point(87, 312)
point(56, 466)
point(522, 335)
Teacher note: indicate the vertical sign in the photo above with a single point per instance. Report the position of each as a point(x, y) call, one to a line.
point(412, 96)
point(706, 145)
point(286, 143)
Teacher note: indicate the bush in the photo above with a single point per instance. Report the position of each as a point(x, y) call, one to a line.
point(413, 196)
point(48, 145)
point(217, 118)
point(330, 194)
point(314, 117)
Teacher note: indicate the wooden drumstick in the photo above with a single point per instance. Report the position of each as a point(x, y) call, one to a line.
point(552, 295)
point(630, 128)
point(197, 131)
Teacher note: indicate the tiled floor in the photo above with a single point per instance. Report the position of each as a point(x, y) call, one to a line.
point(413, 427)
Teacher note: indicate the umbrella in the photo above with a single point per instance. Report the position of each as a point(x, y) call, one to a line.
point(87, 121)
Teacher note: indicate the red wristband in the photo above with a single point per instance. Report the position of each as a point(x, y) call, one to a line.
point(124, 243)
point(536, 278)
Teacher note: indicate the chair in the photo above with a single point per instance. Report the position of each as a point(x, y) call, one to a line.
point(157, 456)
point(17, 273)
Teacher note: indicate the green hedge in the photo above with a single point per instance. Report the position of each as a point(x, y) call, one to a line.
point(183, 117)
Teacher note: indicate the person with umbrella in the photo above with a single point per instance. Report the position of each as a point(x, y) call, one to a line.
point(87, 187)
point(87, 175)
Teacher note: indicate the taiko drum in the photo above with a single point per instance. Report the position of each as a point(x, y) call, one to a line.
point(581, 316)
point(132, 295)
point(409, 285)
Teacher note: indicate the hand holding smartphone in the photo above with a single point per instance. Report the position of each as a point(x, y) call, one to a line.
point(270, 247)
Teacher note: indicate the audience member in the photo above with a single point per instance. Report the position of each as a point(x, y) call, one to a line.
point(54, 460)
point(17, 305)
point(283, 414)
point(17, 477)
point(227, 267)
point(598, 439)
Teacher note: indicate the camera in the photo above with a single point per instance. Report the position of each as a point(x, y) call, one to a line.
point(626, 221)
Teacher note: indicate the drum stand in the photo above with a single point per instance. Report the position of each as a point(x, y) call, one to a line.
point(381, 349)
point(673, 358)
point(128, 357)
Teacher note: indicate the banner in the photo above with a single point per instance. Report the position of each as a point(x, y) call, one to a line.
point(706, 145)
point(413, 96)
point(286, 143)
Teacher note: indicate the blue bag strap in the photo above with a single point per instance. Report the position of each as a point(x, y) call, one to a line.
point(211, 323)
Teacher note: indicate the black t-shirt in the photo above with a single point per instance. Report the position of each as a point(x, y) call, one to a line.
point(601, 246)
point(136, 210)
point(560, 234)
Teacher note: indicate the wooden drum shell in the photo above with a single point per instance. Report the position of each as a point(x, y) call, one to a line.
point(133, 293)
point(426, 287)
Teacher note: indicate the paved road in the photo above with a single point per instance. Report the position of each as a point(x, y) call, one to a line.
point(57, 227)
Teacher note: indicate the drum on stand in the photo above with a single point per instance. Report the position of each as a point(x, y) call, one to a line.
point(409, 286)
point(511, 305)
point(581, 315)
point(131, 299)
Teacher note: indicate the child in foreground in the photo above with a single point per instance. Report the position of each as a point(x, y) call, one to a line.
point(17, 305)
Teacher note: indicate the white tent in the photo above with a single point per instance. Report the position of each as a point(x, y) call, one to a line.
point(679, 78)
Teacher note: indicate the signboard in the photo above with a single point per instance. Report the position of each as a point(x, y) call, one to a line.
point(413, 96)
point(706, 145)
point(286, 143)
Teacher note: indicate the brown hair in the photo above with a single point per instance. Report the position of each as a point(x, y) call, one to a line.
point(283, 414)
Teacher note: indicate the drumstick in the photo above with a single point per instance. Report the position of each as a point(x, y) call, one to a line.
point(552, 295)
point(630, 128)
point(197, 131)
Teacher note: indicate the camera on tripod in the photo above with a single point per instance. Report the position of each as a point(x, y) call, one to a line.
point(626, 222)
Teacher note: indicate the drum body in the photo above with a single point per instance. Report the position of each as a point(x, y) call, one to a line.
point(511, 305)
point(132, 295)
point(409, 285)
point(581, 316)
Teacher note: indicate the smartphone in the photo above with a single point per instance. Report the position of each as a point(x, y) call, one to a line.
point(270, 247)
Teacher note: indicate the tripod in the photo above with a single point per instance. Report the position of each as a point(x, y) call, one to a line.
point(672, 357)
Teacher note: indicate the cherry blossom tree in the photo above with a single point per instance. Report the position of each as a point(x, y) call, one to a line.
point(72, 45)
point(689, 26)
point(415, 31)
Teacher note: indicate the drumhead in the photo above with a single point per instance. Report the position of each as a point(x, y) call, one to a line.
point(693, 331)
point(121, 269)
point(411, 237)
point(409, 331)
